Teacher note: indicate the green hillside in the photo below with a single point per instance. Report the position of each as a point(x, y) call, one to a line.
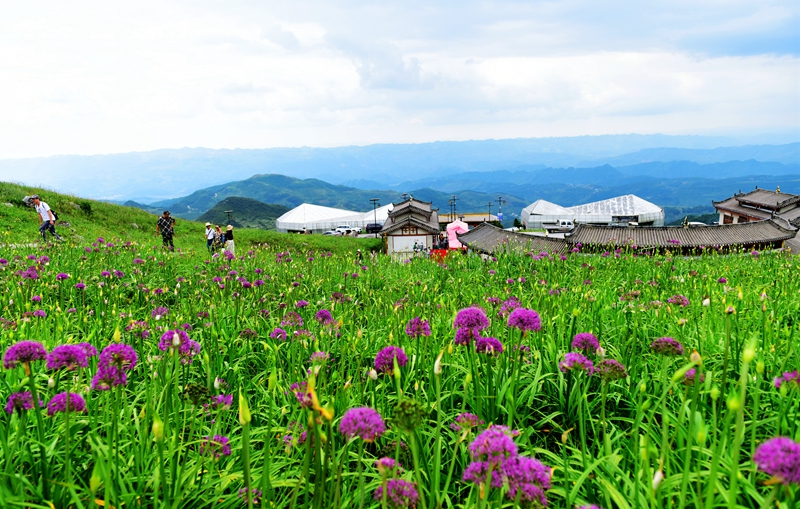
point(246, 213)
point(291, 192)
point(82, 221)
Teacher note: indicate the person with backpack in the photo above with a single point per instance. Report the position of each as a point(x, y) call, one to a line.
point(229, 240)
point(210, 237)
point(165, 226)
point(47, 218)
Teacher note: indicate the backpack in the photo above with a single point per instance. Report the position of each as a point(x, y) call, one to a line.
point(55, 214)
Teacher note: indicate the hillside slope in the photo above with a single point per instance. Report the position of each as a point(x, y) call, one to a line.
point(246, 212)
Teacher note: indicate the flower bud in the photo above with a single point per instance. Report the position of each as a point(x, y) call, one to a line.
point(158, 429)
point(565, 436)
point(706, 302)
point(734, 404)
point(437, 366)
point(749, 354)
point(373, 375)
point(715, 393)
point(244, 410)
point(695, 358)
point(96, 479)
point(657, 478)
point(51, 382)
point(272, 381)
point(760, 367)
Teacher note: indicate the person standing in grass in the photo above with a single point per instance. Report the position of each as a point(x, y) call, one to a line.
point(165, 226)
point(47, 220)
point(229, 240)
point(209, 237)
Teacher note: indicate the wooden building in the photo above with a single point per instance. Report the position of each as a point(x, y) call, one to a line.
point(410, 223)
point(759, 205)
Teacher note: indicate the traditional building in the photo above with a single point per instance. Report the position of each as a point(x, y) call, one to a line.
point(410, 223)
point(472, 219)
point(759, 205)
point(488, 238)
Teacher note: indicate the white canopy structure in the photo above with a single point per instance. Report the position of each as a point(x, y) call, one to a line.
point(620, 210)
point(317, 218)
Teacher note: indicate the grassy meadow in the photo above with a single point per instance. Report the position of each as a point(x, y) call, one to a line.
point(295, 374)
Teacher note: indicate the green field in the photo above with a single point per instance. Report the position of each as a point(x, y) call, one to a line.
point(248, 370)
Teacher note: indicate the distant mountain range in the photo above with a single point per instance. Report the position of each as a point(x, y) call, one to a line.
point(147, 177)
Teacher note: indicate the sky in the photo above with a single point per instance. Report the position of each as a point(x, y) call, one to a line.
point(104, 77)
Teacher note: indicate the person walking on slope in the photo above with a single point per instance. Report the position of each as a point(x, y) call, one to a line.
point(47, 220)
point(210, 237)
point(229, 240)
point(165, 226)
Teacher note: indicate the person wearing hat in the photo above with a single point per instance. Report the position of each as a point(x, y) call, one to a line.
point(47, 220)
point(209, 237)
point(229, 239)
point(165, 226)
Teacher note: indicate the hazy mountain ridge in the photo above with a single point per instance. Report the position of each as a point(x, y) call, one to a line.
point(246, 212)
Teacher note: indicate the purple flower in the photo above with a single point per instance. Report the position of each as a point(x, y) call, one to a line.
point(23, 352)
point(585, 341)
point(610, 369)
point(679, 300)
point(363, 422)
point(173, 338)
point(216, 447)
point(88, 349)
point(300, 390)
point(63, 403)
point(780, 458)
point(105, 273)
point(574, 361)
point(722, 280)
point(472, 318)
point(667, 346)
point(159, 312)
point(387, 465)
point(80, 286)
point(36, 298)
point(278, 333)
point(119, 355)
point(108, 377)
point(493, 445)
point(384, 360)
point(525, 320)
point(319, 358)
point(221, 402)
point(417, 327)
point(20, 401)
point(689, 376)
point(324, 317)
point(67, 356)
point(400, 494)
point(508, 306)
point(528, 478)
point(301, 303)
point(254, 495)
point(466, 421)
point(292, 319)
point(39, 313)
point(790, 378)
point(464, 336)
point(489, 346)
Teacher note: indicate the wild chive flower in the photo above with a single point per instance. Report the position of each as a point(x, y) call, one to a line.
point(88, 349)
point(525, 320)
point(318, 358)
point(80, 286)
point(417, 327)
point(301, 304)
point(324, 317)
point(493, 445)
point(23, 352)
point(387, 465)
point(108, 377)
point(585, 341)
point(216, 447)
point(119, 355)
point(472, 318)
point(292, 319)
point(679, 300)
point(574, 361)
point(384, 360)
point(489, 346)
point(528, 478)
point(300, 390)
point(362, 422)
point(220, 402)
point(689, 376)
point(465, 336)
point(780, 458)
point(400, 494)
point(159, 312)
point(610, 369)
point(508, 306)
point(278, 333)
point(59, 404)
point(36, 298)
point(39, 313)
point(722, 280)
point(254, 495)
point(20, 402)
point(466, 421)
point(67, 356)
point(791, 378)
point(667, 346)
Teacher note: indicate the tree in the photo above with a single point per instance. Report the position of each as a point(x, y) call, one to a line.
point(517, 223)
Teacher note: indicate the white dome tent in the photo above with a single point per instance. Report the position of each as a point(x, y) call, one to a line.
point(613, 211)
point(318, 219)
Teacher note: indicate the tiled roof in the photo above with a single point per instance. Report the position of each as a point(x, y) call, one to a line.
point(733, 205)
point(394, 224)
point(422, 206)
point(763, 197)
point(488, 238)
point(743, 234)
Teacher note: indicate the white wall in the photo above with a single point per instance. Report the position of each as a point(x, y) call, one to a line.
point(397, 243)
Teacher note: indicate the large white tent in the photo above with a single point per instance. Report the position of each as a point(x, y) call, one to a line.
point(618, 210)
point(317, 218)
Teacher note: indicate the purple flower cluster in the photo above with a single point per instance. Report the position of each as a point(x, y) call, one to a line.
point(187, 348)
point(790, 378)
point(610, 369)
point(324, 317)
point(300, 390)
point(159, 312)
point(362, 422)
point(23, 352)
point(689, 377)
point(667, 346)
point(417, 327)
point(278, 333)
point(679, 300)
point(585, 341)
point(574, 361)
point(292, 319)
point(525, 320)
point(66, 402)
point(20, 401)
point(112, 368)
point(780, 458)
point(217, 446)
point(319, 358)
point(488, 346)
point(384, 360)
point(400, 494)
point(67, 356)
point(472, 318)
point(466, 421)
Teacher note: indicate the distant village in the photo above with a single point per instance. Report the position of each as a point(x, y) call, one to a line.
point(755, 220)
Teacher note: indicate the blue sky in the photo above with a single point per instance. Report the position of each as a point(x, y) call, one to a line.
point(104, 77)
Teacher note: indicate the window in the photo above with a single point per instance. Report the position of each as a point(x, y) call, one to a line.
point(726, 219)
point(743, 219)
point(409, 230)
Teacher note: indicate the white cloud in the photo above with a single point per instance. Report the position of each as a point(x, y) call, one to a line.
point(91, 77)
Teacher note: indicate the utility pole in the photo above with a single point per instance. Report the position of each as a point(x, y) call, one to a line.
point(375, 204)
point(490, 212)
point(453, 201)
point(500, 202)
point(230, 215)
